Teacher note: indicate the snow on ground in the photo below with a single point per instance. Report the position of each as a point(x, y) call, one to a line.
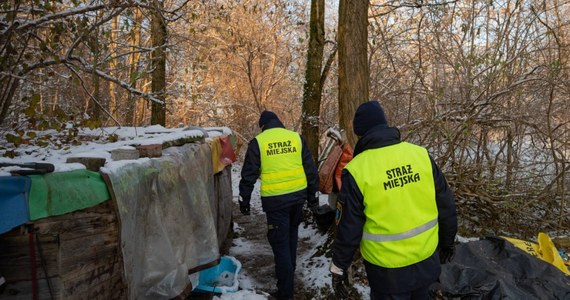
point(100, 147)
point(312, 269)
point(242, 295)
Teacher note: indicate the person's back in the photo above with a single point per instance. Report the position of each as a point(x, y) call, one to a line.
point(281, 162)
point(288, 175)
point(399, 201)
point(396, 206)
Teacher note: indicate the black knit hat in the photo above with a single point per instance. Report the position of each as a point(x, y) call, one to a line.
point(265, 117)
point(369, 114)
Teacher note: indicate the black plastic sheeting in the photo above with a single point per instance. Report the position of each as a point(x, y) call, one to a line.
point(493, 268)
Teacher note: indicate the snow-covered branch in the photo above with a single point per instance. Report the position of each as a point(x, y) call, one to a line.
point(86, 67)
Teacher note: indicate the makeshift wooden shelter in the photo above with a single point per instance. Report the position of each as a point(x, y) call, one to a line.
point(133, 229)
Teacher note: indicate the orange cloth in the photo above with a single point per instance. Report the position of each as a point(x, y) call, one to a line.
point(331, 169)
point(345, 158)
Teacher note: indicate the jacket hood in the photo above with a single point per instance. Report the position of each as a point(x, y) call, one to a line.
point(368, 115)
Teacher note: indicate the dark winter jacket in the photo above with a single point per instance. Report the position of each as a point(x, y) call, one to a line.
point(251, 171)
point(349, 232)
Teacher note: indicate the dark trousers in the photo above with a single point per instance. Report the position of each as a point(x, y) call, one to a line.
point(421, 293)
point(282, 234)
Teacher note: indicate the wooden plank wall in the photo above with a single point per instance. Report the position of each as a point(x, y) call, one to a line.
point(80, 252)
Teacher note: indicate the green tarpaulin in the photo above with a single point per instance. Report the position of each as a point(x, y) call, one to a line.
point(63, 192)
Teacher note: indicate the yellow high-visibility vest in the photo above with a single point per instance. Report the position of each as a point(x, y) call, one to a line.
point(401, 225)
point(282, 169)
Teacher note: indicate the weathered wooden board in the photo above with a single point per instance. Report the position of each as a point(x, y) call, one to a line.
point(15, 262)
point(80, 251)
point(22, 290)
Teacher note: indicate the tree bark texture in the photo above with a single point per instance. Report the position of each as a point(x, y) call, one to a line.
point(134, 58)
point(113, 103)
point(158, 114)
point(312, 90)
point(92, 108)
point(353, 70)
point(8, 86)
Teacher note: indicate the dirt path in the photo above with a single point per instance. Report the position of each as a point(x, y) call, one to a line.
point(251, 248)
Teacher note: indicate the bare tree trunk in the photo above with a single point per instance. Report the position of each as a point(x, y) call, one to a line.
point(134, 58)
point(510, 160)
point(95, 109)
point(91, 106)
point(312, 90)
point(565, 75)
point(353, 70)
point(158, 114)
point(112, 66)
point(8, 83)
point(8, 86)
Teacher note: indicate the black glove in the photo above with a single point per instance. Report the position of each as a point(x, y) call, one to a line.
point(244, 207)
point(340, 285)
point(446, 254)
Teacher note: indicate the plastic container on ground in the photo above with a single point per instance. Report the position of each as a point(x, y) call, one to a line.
point(221, 278)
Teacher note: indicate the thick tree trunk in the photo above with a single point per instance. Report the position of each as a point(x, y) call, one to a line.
point(313, 86)
point(353, 70)
point(158, 111)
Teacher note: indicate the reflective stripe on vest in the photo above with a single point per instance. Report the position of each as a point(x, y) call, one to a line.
point(399, 236)
point(282, 169)
point(399, 203)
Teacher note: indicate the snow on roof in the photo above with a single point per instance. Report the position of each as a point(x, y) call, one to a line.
point(95, 143)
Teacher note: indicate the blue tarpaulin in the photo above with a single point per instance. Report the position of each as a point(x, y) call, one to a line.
point(13, 201)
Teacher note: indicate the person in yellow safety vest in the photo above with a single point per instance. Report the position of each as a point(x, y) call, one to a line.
point(283, 162)
point(395, 204)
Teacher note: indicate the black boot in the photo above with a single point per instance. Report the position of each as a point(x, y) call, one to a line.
point(2, 283)
point(275, 296)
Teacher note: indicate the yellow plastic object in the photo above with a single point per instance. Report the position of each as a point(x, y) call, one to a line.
point(216, 148)
point(544, 250)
